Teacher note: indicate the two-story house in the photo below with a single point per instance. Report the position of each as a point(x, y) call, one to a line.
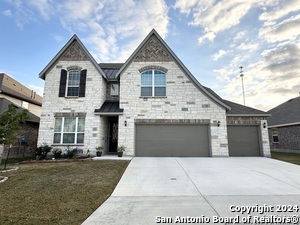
point(13, 92)
point(151, 104)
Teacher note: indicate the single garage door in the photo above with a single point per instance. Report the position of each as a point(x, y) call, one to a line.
point(171, 140)
point(243, 141)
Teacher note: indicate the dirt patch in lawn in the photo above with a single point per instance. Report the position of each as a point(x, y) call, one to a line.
point(58, 193)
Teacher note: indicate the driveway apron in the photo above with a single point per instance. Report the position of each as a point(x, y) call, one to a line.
point(202, 190)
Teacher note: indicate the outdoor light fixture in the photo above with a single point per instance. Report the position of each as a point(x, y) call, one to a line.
point(218, 123)
point(264, 125)
point(125, 123)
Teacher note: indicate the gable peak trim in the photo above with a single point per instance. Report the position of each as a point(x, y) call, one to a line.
point(82, 54)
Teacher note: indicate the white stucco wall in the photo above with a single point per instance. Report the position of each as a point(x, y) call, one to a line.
point(181, 93)
point(95, 129)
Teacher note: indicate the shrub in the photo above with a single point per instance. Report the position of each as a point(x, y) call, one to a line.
point(42, 151)
point(70, 154)
point(57, 153)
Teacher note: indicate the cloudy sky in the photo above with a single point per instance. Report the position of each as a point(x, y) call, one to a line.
point(212, 38)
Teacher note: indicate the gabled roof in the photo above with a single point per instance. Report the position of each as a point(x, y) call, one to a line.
point(238, 109)
point(4, 104)
point(177, 60)
point(241, 110)
point(287, 113)
point(111, 70)
point(61, 52)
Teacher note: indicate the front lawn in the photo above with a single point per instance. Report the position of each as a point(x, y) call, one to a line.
point(287, 157)
point(57, 193)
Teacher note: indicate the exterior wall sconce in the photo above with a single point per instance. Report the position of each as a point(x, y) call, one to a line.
point(218, 123)
point(125, 123)
point(264, 125)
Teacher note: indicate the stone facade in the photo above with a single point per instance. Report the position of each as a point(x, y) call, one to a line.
point(95, 95)
point(288, 138)
point(259, 121)
point(183, 100)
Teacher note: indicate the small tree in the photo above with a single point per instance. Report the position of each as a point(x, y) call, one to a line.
point(10, 123)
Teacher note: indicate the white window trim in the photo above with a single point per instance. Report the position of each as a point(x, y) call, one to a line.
point(67, 84)
point(62, 131)
point(153, 84)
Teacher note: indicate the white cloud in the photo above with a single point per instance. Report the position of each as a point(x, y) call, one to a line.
point(108, 24)
point(239, 35)
point(44, 7)
point(280, 11)
point(7, 13)
point(219, 54)
point(248, 47)
point(214, 18)
point(285, 30)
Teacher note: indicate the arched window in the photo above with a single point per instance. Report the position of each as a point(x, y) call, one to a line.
point(153, 83)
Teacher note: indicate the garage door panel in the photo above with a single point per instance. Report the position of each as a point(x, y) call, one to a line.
point(172, 140)
point(243, 141)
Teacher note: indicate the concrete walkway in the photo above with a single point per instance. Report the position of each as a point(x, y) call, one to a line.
point(205, 190)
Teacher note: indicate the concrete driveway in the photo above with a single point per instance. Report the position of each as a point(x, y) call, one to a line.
point(203, 190)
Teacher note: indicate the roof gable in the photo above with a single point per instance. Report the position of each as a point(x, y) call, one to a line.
point(154, 48)
point(153, 51)
point(73, 50)
point(285, 113)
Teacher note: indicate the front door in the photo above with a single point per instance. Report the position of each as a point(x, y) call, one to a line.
point(113, 136)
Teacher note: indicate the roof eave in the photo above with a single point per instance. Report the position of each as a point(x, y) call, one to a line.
point(177, 60)
point(264, 115)
point(108, 113)
point(43, 73)
point(284, 125)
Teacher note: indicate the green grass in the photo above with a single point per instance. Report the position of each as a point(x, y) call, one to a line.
point(57, 193)
point(287, 157)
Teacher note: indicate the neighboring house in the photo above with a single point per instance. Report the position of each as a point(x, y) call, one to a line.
point(13, 92)
point(20, 95)
point(26, 138)
point(284, 126)
point(151, 104)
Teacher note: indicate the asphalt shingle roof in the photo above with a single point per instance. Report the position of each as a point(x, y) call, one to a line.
point(285, 113)
point(237, 109)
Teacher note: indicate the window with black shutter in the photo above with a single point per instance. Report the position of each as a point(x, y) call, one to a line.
point(63, 82)
point(72, 83)
point(82, 83)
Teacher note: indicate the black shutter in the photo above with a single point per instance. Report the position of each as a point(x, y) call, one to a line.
point(82, 83)
point(63, 82)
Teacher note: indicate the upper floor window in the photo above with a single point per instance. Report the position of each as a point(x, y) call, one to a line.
point(153, 83)
point(72, 83)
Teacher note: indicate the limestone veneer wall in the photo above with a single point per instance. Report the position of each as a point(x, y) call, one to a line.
point(183, 100)
point(95, 93)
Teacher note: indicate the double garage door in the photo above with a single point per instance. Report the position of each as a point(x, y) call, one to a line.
point(154, 140)
point(243, 140)
point(171, 140)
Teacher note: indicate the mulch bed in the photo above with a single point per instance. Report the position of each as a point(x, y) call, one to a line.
point(56, 160)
